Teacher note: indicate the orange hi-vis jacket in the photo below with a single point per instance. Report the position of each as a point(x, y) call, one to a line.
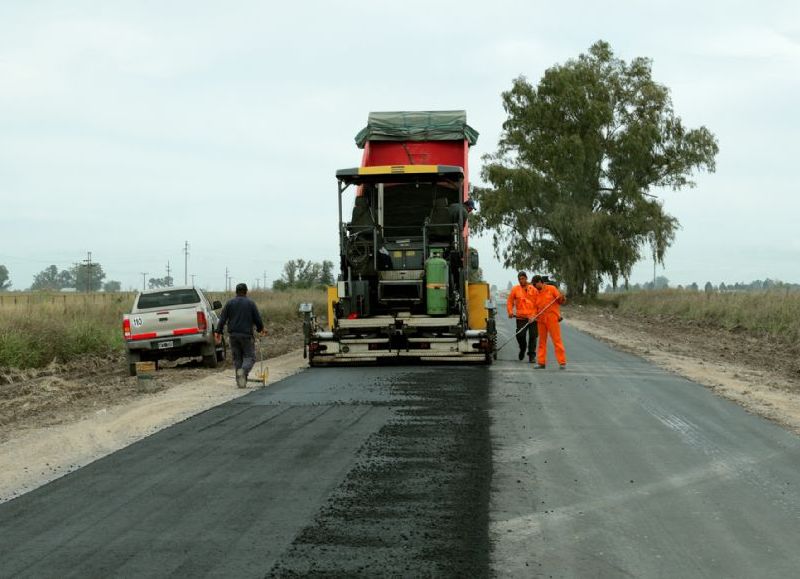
point(547, 294)
point(524, 299)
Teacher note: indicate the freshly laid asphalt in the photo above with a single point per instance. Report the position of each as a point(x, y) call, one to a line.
point(612, 468)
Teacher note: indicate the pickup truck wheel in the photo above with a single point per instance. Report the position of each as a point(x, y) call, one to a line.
point(210, 361)
point(132, 359)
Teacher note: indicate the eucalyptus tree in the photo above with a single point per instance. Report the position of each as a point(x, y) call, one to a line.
point(579, 161)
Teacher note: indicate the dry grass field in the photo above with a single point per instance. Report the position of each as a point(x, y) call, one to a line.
point(773, 314)
point(38, 328)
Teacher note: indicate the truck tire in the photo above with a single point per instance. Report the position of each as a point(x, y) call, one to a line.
point(210, 359)
point(132, 359)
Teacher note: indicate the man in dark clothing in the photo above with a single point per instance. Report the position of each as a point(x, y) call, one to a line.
point(459, 212)
point(241, 314)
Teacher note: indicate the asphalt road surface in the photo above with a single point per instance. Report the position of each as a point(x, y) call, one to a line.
point(612, 468)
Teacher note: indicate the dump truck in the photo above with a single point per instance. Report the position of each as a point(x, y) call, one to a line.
point(406, 288)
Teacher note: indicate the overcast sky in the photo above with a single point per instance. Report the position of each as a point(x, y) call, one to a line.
point(127, 128)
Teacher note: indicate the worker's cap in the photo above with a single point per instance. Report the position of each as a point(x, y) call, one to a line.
point(241, 288)
point(522, 274)
point(469, 204)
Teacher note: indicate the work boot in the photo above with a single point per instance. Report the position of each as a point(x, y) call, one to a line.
point(241, 378)
point(562, 366)
point(521, 355)
point(540, 366)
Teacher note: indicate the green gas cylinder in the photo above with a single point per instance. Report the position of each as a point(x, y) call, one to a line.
point(437, 274)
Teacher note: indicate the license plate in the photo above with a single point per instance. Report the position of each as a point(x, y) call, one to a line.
point(164, 345)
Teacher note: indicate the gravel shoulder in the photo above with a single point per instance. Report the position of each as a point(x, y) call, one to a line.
point(58, 419)
point(759, 376)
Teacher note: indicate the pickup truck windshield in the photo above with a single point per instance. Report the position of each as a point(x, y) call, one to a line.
point(168, 298)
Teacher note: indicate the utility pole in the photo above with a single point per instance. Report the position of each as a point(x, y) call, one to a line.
point(144, 275)
point(88, 263)
point(169, 278)
point(227, 277)
point(185, 262)
point(193, 280)
point(265, 279)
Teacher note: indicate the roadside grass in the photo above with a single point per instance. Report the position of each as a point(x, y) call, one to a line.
point(281, 306)
point(771, 313)
point(36, 333)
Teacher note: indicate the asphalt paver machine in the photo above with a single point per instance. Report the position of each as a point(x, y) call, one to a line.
point(404, 290)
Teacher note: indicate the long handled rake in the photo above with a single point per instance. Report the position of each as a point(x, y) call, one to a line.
point(522, 329)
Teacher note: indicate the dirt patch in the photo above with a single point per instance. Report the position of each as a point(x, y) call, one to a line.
point(760, 375)
point(57, 419)
point(62, 393)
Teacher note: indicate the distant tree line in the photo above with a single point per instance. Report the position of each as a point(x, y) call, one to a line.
point(302, 274)
point(662, 282)
point(82, 277)
point(159, 282)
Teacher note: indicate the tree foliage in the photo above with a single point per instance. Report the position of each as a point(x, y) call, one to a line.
point(159, 282)
point(300, 274)
point(578, 159)
point(88, 277)
point(112, 286)
point(5, 280)
point(50, 279)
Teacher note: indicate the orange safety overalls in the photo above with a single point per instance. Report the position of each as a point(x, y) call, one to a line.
point(548, 303)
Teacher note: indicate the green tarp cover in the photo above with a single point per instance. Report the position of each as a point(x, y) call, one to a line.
point(417, 126)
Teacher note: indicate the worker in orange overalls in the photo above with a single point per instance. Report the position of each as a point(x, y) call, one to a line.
point(522, 298)
point(548, 302)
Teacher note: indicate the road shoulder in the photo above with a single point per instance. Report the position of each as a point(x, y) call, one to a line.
point(36, 456)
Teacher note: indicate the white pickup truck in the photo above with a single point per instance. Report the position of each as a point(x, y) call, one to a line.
point(171, 323)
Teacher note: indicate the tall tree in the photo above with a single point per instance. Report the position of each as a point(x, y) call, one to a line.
point(578, 159)
point(5, 280)
point(112, 286)
point(326, 277)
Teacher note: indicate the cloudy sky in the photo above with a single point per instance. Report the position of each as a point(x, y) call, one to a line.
point(127, 128)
